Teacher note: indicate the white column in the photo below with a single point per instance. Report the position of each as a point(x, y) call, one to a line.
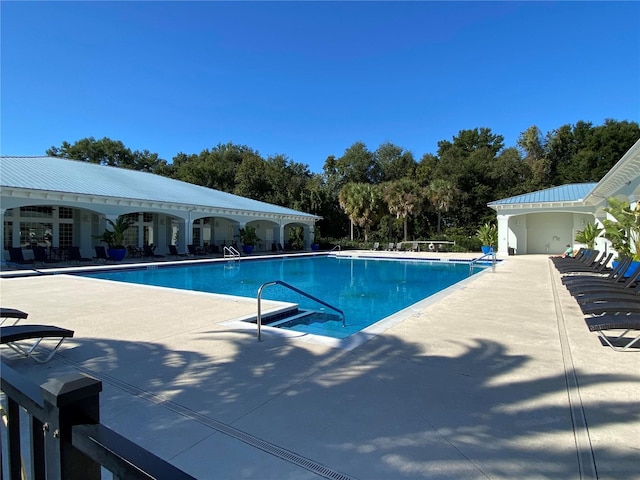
point(2, 211)
point(503, 234)
point(186, 233)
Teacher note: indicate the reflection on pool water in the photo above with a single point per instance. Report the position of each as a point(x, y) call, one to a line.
point(366, 290)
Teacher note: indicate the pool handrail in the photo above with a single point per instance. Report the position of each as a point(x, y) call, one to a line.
point(230, 252)
point(336, 247)
point(491, 254)
point(298, 291)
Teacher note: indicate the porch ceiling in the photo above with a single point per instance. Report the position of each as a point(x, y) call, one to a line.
point(623, 179)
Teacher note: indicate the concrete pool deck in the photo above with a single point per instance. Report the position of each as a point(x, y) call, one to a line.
point(499, 378)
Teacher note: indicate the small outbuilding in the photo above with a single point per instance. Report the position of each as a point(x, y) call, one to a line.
point(547, 220)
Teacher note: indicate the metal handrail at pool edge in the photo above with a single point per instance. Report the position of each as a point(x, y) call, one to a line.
point(230, 252)
point(297, 290)
point(491, 254)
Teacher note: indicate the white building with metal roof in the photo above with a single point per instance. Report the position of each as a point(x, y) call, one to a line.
point(58, 202)
point(547, 220)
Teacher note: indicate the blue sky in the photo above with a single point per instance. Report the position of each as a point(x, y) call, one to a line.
point(309, 79)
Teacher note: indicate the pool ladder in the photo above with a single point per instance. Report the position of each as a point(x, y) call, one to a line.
point(298, 291)
point(231, 252)
point(491, 255)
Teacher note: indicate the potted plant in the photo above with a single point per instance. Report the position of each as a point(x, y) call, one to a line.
point(315, 246)
point(114, 238)
point(624, 232)
point(588, 235)
point(488, 236)
point(249, 238)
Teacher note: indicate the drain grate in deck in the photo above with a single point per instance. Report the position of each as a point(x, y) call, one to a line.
point(221, 427)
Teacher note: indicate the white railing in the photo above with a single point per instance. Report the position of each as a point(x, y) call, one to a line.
point(231, 252)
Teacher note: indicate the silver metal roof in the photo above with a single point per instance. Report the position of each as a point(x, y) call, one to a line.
point(72, 176)
point(572, 192)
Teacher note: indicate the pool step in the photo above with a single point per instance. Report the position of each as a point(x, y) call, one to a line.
point(295, 316)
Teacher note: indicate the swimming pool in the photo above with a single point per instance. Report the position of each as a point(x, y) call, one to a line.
point(366, 290)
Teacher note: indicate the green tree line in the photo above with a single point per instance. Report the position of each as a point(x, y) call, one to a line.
point(387, 194)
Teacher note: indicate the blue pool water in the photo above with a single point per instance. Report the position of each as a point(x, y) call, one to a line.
point(366, 290)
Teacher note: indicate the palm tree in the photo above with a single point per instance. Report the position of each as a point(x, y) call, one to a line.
point(404, 198)
point(441, 194)
point(362, 203)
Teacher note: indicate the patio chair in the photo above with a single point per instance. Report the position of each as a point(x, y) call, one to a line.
point(40, 256)
point(391, 247)
point(194, 250)
point(627, 323)
point(597, 265)
point(173, 251)
point(149, 252)
point(629, 289)
point(134, 251)
point(16, 256)
point(616, 307)
point(613, 295)
point(576, 282)
point(583, 257)
point(11, 315)
point(376, 246)
point(75, 255)
point(14, 337)
point(101, 254)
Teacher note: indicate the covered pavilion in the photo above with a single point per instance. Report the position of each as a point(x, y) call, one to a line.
point(58, 203)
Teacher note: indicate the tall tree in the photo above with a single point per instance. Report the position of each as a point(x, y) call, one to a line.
point(215, 168)
point(533, 145)
point(467, 163)
point(355, 166)
point(251, 179)
point(441, 194)
point(531, 141)
point(404, 197)
point(392, 163)
point(108, 152)
point(362, 202)
point(584, 153)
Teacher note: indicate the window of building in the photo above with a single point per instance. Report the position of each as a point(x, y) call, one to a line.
point(65, 212)
point(196, 236)
point(65, 235)
point(8, 234)
point(39, 212)
point(36, 233)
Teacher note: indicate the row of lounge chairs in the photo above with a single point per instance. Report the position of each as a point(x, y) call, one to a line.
point(608, 297)
point(42, 257)
point(28, 340)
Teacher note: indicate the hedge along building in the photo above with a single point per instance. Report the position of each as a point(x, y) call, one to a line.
point(547, 220)
point(59, 202)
